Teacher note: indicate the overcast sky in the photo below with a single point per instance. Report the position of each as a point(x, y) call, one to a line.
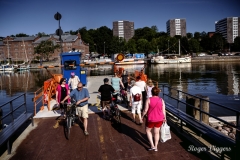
point(33, 16)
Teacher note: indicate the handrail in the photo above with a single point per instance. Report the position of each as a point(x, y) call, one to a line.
point(11, 107)
point(237, 126)
point(38, 94)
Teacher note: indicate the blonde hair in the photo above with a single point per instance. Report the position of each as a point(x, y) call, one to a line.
point(150, 83)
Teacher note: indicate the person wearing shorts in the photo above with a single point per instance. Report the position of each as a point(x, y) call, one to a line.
point(81, 96)
point(136, 105)
point(106, 90)
point(156, 115)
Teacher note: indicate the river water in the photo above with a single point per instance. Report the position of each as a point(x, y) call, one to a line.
point(220, 81)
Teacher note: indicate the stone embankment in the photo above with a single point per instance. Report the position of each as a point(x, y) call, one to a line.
point(215, 58)
point(225, 129)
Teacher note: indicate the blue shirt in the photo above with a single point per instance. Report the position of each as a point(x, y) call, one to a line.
point(79, 95)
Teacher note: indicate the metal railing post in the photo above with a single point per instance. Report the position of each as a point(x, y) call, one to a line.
point(11, 110)
point(25, 102)
point(200, 118)
point(178, 99)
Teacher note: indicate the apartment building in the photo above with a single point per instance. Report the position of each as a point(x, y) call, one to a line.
point(229, 28)
point(22, 48)
point(123, 29)
point(176, 27)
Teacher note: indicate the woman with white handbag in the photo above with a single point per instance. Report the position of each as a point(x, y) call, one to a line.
point(156, 115)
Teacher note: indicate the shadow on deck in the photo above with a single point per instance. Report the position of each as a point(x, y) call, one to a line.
point(105, 141)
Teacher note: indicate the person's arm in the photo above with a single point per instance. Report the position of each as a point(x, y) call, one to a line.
point(82, 100)
point(121, 83)
point(67, 97)
point(78, 79)
point(164, 110)
point(57, 96)
point(69, 81)
point(146, 108)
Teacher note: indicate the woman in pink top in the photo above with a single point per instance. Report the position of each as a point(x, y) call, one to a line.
point(156, 115)
point(62, 91)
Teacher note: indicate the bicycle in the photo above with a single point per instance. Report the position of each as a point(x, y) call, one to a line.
point(114, 110)
point(70, 110)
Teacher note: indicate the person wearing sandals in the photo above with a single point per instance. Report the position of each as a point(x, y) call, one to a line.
point(136, 105)
point(81, 95)
point(156, 115)
point(62, 91)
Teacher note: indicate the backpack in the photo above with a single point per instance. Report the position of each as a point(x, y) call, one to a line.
point(136, 97)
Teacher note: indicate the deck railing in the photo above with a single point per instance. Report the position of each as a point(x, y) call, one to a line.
point(38, 98)
point(174, 95)
point(12, 108)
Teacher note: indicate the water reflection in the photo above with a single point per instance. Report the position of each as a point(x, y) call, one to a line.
point(219, 81)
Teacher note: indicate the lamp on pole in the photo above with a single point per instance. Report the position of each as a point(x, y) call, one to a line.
point(59, 31)
point(104, 48)
point(168, 46)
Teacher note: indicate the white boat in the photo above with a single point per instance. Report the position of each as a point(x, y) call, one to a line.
point(130, 61)
point(23, 67)
point(6, 67)
point(170, 59)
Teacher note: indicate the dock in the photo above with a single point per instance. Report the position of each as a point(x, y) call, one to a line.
point(106, 140)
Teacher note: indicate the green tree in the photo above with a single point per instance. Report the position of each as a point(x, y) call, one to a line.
point(197, 36)
point(131, 46)
point(217, 42)
point(22, 35)
point(184, 45)
point(236, 45)
point(45, 49)
point(194, 45)
point(142, 46)
point(189, 35)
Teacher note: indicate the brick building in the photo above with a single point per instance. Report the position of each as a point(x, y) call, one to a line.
point(22, 48)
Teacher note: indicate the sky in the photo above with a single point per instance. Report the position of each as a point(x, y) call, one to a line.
point(34, 16)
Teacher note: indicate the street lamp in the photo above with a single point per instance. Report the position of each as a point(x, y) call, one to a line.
point(104, 48)
point(168, 46)
point(59, 31)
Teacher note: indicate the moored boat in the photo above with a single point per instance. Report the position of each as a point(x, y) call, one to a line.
point(170, 59)
point(6, 67)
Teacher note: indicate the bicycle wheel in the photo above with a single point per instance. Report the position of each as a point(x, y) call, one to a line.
point(118, 116)
point(68, 126)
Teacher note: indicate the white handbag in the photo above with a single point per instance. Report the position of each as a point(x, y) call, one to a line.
point(165, 132)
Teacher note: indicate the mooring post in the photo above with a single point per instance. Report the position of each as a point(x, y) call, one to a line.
point(198, 103)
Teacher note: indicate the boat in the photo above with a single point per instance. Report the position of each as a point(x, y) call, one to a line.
point(6, 67)
point(170, 59)
point(23, 67)
point(136, 59)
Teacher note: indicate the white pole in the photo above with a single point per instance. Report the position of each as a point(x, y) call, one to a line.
point(179, 46)
point(25, 50)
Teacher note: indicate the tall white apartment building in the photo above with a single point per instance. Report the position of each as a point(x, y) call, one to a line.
point(176, 27)
point(229, 28)
point(124, 29)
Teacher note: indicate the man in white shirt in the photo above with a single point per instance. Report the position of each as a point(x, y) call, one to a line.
point(73, 81)
point(141, 84)
point(136, 104)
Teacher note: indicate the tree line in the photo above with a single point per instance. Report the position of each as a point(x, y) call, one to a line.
point(149, 40)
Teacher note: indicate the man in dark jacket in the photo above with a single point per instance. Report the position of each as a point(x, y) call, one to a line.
point(106, 90)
